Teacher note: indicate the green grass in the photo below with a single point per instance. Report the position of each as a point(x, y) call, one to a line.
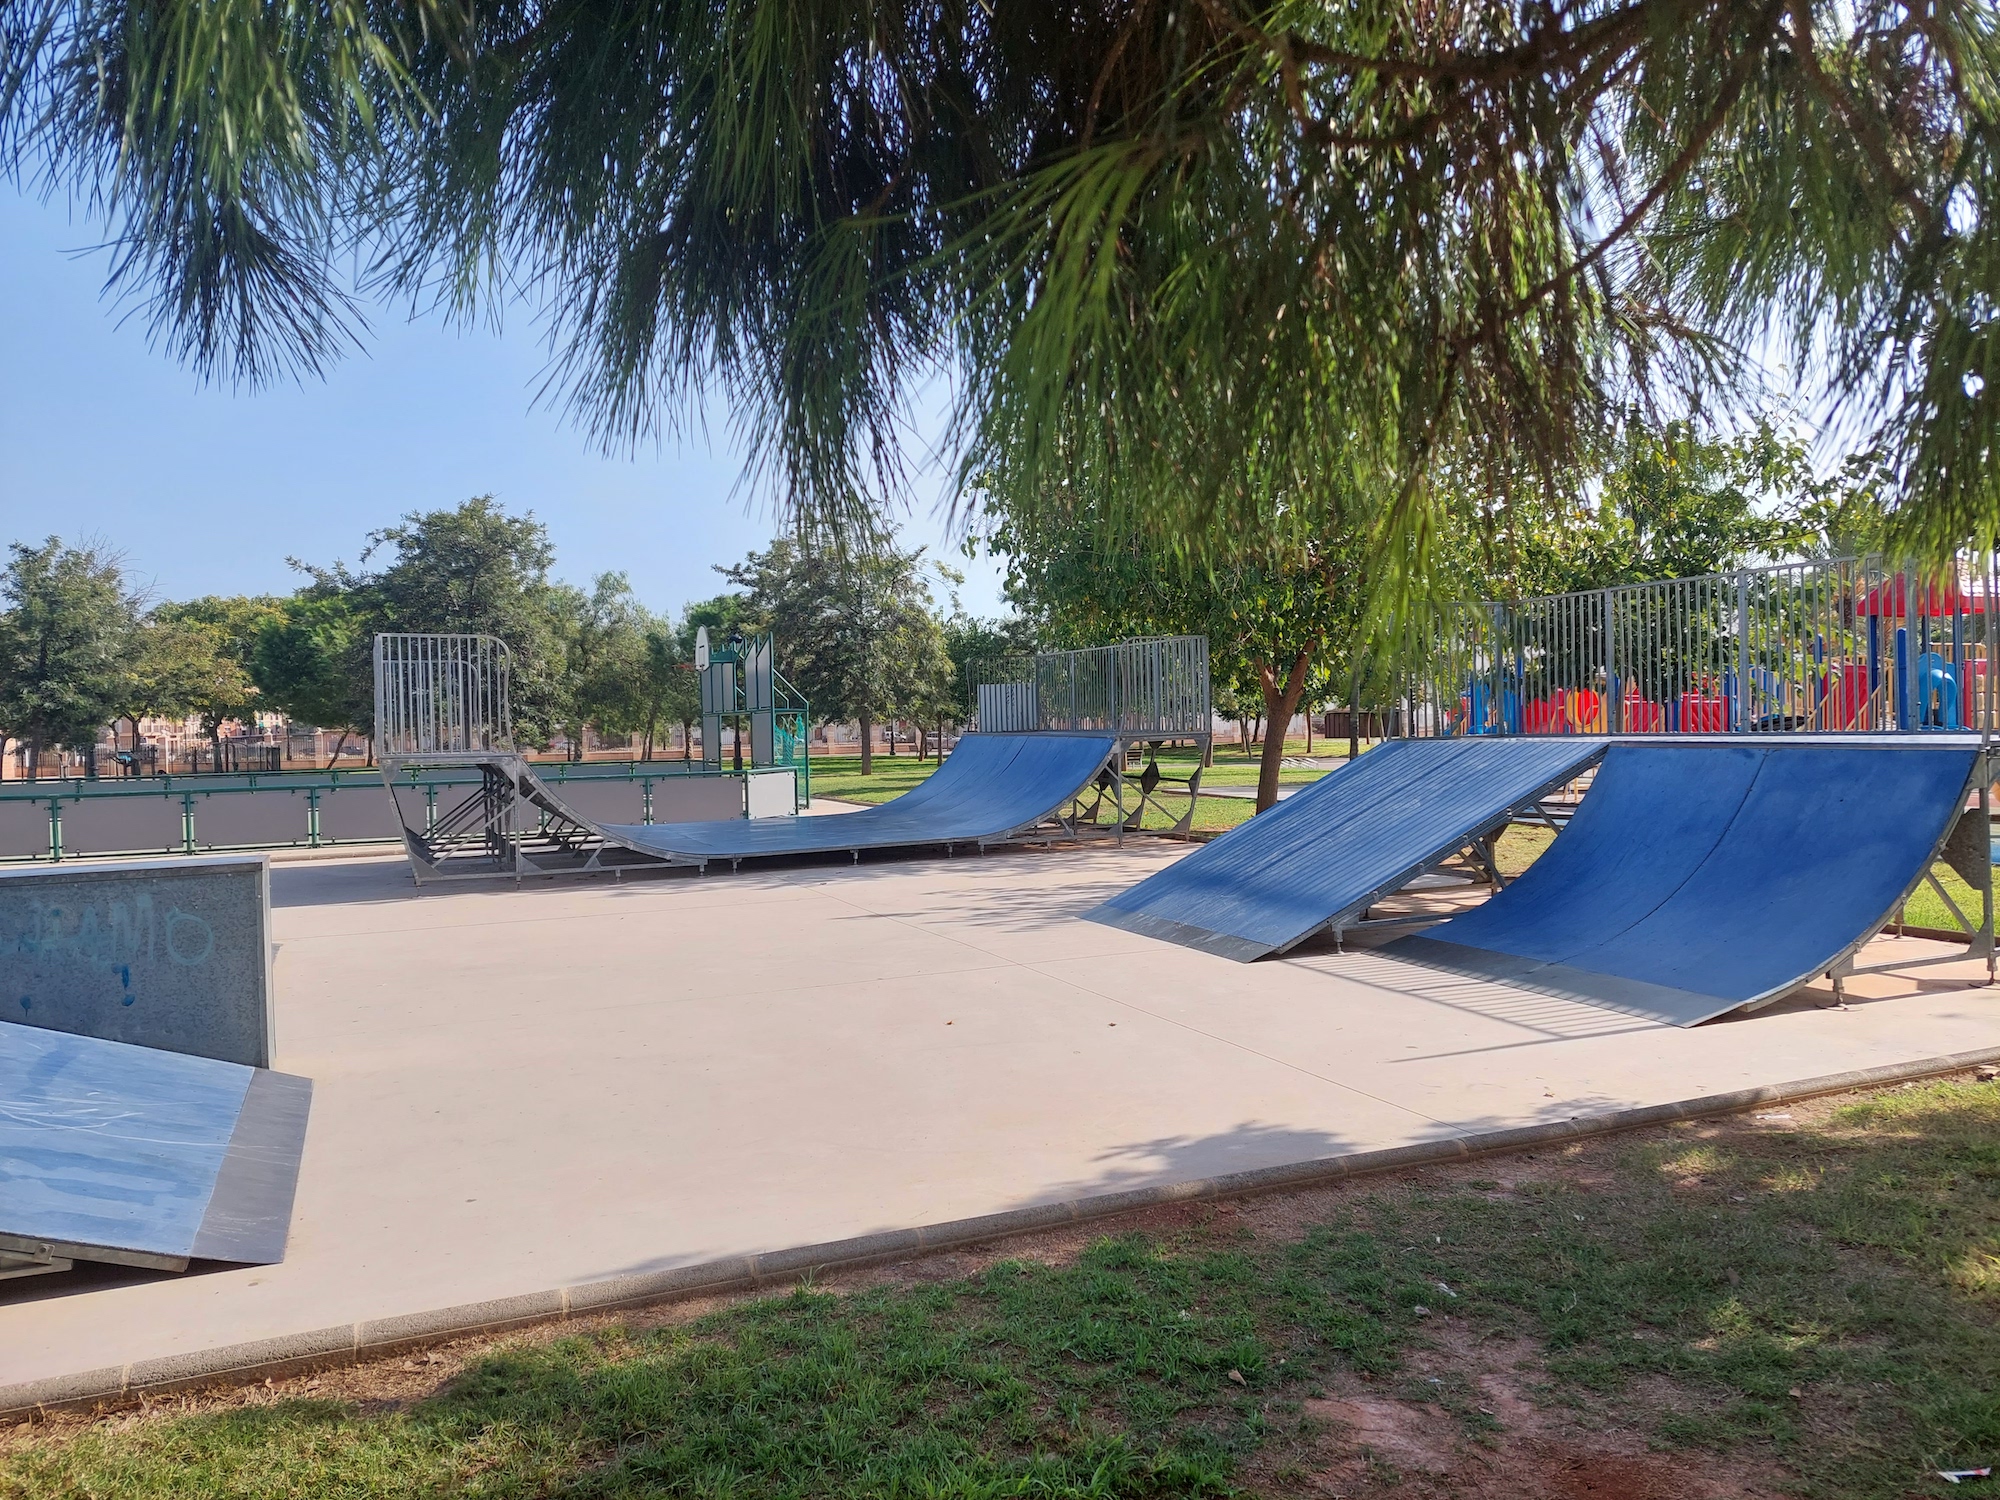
point(1821, 1297)
point(1924, 909)
point(839, 776)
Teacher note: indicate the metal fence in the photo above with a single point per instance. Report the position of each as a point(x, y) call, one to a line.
point(52, 820)
point(1153, 688)
point(1844, 645)
point(441, 695)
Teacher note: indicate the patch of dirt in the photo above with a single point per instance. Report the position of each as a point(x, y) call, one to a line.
point(1403, 1435)
point(1502, 1446)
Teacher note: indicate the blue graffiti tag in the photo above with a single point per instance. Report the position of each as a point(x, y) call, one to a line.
point(124, 934)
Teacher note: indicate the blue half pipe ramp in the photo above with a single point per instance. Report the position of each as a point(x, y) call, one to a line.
point(1326, 853)
point(991, 789)
point(1696, 879)
point(127, 1154)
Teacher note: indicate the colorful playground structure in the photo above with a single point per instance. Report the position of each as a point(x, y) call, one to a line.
point(1841, 646)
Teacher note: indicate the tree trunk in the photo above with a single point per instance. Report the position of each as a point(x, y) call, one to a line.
point(652, 721)
point(338, 746)
point(1309, 731)
point(867, 745)
point(1280, 703)
point(1354, 719)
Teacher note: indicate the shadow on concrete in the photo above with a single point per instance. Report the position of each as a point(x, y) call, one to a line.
point(1010, 891)
point(341, 882)
point(1249, 1147)
point(1542, 1018)
point(1556, 1018)
point(89, 1276)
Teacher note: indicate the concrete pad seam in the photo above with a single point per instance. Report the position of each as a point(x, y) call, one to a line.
point(248, 1361)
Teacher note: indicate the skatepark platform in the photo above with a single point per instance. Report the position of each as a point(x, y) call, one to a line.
point(1319, 859)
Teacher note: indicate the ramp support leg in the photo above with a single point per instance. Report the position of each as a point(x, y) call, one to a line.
point(1986, 885)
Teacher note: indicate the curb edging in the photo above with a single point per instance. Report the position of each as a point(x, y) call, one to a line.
point(354, 1343)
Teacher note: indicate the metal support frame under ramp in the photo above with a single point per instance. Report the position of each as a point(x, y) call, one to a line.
point(512, 824)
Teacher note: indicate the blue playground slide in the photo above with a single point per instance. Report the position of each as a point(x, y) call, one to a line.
point(990, 789)
point(1324, 854)
point(1695, 879)
point(127, 1154)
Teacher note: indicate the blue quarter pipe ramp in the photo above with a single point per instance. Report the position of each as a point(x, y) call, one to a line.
point(1326, 853)
point(1697, 879)
point(991, 789)
point(135, 1156)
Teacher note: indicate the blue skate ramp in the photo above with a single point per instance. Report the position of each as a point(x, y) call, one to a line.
point(1329, 851)
point(127, 1154)
point(1695, 879)
point(992, 787)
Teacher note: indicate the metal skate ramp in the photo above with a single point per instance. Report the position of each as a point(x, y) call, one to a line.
point(1699, 878)
point(993, 788)
point(135, 1156)
point(1322, 856)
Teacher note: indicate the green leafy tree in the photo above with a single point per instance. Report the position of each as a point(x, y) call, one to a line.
point(604, 640)
point(65, 632)
point(857, 633)
point(666, 688)
point(977, 646)
point(472, 569)
point(1671, 503)
point(173, 668)
point(1280, 624)
point(928, 691)
point(304, 666)
point(217, 655)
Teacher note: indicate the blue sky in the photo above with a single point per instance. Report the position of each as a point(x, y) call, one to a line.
point(208, 490)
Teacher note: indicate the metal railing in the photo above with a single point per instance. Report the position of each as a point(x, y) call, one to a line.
point(1152, 688)
point(441, 695)
point(1839, 646)
point(53, 820)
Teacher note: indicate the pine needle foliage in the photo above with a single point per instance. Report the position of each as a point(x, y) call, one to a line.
point(1200, 269)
